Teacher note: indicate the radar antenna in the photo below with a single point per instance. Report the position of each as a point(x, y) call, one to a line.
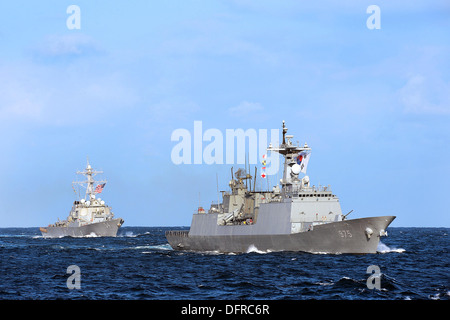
point(89, 183)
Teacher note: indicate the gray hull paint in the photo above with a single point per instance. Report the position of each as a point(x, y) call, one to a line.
point(348, 236)
point(100, 229)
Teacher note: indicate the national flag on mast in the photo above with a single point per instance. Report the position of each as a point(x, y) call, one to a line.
point(302, 160)
point(99, 188)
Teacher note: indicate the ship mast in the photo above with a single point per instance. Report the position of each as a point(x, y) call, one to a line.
point(290, 152)
point(89, 183)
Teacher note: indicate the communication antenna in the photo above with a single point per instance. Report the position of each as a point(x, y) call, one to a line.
point(217, 183)
point(254, 180)
point(245, 170)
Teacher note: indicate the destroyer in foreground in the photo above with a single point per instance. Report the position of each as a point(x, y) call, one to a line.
point(89, 216)
point(299, 217)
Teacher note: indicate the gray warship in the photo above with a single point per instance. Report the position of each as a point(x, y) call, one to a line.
point(295, 217)
point(89, 216)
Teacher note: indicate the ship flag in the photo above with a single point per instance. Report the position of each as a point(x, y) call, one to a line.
point(99, 188)
point(302, 160)
point(263, 162)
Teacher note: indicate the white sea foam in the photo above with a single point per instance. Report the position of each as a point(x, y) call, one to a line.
point(382, 248)
point(253, 248)
point(131, 234)
point(320, 252)
point(91, 235)
point(324, 283)
point(128, 234)
point(140, 247)
point(165, 246)
point(156, 247)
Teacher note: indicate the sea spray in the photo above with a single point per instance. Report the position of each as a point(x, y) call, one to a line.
point(382, 248)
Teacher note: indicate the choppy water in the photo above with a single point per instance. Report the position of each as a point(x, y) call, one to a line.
point(139, 264)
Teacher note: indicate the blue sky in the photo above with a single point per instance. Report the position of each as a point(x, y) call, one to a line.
point(374, 105)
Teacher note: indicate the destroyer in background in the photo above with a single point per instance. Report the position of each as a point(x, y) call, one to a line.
point(299, 217)
point(89, 216)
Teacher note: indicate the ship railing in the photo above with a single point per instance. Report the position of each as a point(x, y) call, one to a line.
point(178, 233)
point(296, 189)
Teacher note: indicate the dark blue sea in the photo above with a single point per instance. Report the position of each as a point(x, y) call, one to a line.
point(139, 264)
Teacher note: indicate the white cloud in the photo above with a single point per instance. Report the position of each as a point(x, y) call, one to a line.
point(66, 45)
point(60, 95)
point(20, 94)
point(220, 36)
point(245, 108)
point(425, 95)
point(173, 109)
point(40, 92)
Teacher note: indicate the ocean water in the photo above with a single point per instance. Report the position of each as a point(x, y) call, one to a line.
point(139, 264)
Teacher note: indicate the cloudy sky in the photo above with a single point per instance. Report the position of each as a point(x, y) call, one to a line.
point(374, 105)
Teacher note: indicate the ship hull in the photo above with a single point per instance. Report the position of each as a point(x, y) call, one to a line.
point(348, 236)
point(100, 229)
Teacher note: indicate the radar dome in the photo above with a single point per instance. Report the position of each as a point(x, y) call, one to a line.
point(296, 169)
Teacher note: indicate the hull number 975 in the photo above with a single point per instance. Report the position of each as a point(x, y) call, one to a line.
point(345, 233)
